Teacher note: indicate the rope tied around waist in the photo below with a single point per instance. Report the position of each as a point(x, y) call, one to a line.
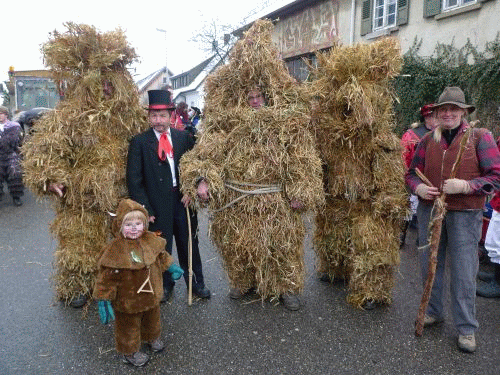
point(257, 189)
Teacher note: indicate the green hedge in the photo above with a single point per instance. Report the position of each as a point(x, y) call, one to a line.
point(422, 80)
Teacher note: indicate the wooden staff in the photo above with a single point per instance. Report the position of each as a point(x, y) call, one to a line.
point(190, 260)
point(437, 215)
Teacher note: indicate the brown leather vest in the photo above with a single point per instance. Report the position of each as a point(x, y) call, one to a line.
point(442, 162)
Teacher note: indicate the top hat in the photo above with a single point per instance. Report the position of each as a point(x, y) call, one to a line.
point(426, 110)
point(160, 99)
point(455, 96)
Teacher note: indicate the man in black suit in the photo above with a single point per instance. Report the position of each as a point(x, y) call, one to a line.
point(153, 181)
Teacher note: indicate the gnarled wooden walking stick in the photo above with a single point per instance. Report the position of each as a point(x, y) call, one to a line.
point(190, 260)
point(437, 216)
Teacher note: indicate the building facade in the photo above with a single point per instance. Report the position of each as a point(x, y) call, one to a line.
point(304, 26)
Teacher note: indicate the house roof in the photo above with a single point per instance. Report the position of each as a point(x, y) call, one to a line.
point(284, 11)
point(143, 83)
point(197, 75)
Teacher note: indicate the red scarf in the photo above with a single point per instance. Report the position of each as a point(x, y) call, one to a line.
point(164, 147)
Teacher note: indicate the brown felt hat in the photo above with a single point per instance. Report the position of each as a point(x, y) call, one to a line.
point(454, 95)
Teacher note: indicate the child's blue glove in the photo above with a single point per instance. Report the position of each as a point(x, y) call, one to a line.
point(106, 313)
point(175, 271)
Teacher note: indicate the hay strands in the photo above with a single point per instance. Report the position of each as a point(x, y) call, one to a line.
point(437, 214)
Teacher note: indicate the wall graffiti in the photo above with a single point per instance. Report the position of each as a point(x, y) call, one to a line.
point(312, 29)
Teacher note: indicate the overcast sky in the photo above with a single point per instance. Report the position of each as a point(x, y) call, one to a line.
point(27, 24)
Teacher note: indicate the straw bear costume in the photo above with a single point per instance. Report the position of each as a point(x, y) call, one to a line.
point(357, 235)
point(268, 153)
point(82, 145)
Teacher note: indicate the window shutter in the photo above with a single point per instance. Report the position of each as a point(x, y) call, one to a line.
point(366, 17)
point(402, 12)
point(432, 7)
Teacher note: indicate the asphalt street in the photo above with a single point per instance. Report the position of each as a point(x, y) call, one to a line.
point(39, 335)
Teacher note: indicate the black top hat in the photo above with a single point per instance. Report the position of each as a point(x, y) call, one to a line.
point(160, 99)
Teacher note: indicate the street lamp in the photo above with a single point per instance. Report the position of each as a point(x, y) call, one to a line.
point(167, 81)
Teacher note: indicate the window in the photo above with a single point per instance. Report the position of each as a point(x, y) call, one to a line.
point(298, 69)
point(381, 16)
point(384, 14)
point(452, 4)
point(445, 8)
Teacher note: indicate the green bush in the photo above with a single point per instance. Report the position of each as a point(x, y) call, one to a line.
point(422, 80)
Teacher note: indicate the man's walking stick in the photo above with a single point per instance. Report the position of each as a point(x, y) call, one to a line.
point(437, 216)
point(190, 260)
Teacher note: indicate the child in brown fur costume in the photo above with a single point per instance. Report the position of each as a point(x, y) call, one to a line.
point(130, 279)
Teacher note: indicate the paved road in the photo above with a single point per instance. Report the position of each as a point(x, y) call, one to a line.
point(39, 335)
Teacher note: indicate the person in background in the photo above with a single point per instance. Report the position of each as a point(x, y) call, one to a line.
point(409, 142)
point(492, 244)
point(10, 159)
point(477, 176)
point(194, 116)
point(180, 119)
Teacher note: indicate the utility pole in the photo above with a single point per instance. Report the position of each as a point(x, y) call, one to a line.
point(167, 77)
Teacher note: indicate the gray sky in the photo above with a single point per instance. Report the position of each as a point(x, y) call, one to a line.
point(26, 28)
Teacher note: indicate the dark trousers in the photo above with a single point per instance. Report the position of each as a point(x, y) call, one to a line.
point(181, 235)
point(10, 172)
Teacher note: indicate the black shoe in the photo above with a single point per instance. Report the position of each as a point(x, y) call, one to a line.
point(291, 301)
point(485, 276)
point(79, 301)
point(369, 304)
point(201, 292)
point(325, 278)
point(168, 294)
point(17, 201)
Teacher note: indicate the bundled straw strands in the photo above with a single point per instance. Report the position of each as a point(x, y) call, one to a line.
point(357, 235)
point(241, 149)
point(83, 145)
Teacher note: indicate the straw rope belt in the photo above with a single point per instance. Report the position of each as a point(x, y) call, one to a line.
point(258, 189)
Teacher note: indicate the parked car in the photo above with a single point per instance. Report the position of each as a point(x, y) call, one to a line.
point(27, 118)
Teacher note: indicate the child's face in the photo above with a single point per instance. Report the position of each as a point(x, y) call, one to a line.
point(133, 228)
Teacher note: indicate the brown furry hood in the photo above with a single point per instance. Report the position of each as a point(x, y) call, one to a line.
point(126, 206)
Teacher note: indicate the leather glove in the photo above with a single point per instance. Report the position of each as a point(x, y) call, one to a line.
point(456, 186)
point(106, 313)
point(175, 271)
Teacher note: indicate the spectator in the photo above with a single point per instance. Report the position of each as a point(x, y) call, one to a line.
point(492, 245)
point(10, 159)
point(409, 143)
point(477, 176)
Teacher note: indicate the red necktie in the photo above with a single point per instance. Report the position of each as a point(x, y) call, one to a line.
point(164, 147)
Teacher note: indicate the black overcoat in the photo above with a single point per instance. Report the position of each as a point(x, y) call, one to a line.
point(149, 180)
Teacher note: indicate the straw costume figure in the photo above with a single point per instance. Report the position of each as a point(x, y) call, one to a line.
point(256, 163)
point(357, 235)
point(77, 152)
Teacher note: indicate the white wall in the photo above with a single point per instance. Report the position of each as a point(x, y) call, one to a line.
point(480, 25)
